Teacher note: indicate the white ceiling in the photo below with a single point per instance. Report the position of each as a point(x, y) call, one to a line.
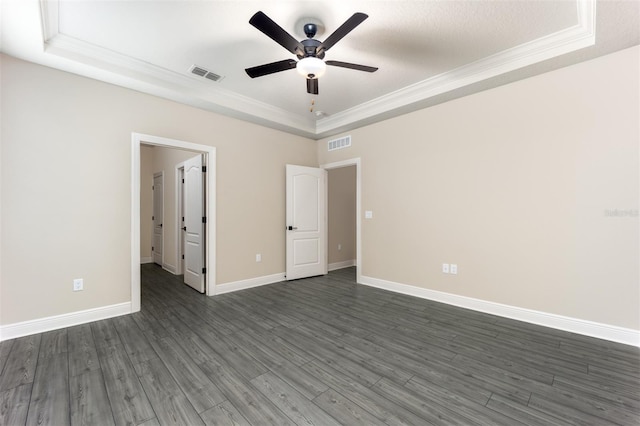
point(426, 51)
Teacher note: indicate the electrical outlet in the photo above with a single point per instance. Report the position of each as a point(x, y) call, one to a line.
point(258, 257)
point(78, 284)
point(453, 269)
point(445, 268)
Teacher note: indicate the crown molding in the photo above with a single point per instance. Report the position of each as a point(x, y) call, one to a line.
point(139, 75)
point(123, 70)
point(49, 18)
point(116, 68)
point(565, 41)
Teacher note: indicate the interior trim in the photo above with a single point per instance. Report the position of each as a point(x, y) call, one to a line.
point(41, 325)
point(249, 283)
point(574, 325)
point(341, 265)
point(169, 268)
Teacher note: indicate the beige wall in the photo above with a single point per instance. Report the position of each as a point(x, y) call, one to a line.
point(515, 185)
point(342, 214)
point(518, 185)
point(66, 176)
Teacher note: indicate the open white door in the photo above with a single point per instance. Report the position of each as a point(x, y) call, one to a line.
point(158, 217)
point(194, 222)
point(306, 226)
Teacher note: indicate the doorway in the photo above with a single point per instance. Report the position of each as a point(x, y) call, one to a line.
point(341, 217)
point(354, 166)
point(137, 140)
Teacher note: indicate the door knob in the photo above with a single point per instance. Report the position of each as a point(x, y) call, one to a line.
point(292, 228)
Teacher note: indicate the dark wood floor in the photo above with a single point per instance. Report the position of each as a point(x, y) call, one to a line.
point(319, 351)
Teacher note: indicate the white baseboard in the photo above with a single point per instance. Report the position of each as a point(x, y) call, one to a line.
point(574, 325)
point(144, 260)
point(19, 329)
point(249, 283)
point(169, 268)
point(343, 264)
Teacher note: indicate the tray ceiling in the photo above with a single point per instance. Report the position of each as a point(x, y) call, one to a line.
point(426, 51)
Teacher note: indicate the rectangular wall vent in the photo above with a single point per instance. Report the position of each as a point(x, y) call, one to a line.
point(343, 142)
point(202, 72)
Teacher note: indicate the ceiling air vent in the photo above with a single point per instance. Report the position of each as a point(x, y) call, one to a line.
point(202, 72)
point(343, 142)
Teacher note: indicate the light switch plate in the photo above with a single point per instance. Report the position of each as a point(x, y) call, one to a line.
point(453, 269)
point(368, 214)
point(445, 268)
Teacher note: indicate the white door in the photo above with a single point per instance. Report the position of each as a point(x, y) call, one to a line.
point(158, 217)
point(306, 226)
point(194, 218)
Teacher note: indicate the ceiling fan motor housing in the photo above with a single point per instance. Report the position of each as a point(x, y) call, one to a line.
point(310, 30)
point(311, 49)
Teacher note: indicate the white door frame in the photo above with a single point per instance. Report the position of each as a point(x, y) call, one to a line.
point(138, 139)
point(345, 163)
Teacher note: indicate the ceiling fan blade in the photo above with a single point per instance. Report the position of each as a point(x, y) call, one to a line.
point(276, 33)
point(271, 68)
point(352, 66)
point(344, 29)
point(312, 86)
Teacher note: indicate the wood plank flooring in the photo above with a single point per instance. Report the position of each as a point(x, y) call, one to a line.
point(318, 351)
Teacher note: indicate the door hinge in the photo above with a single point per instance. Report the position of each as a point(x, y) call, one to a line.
point(204, 169)
point(151, 248)
point(183, 256)
point(153, 218)
point(153, 187)
point(182, 180)
point(204, 219)
point(204, 270)
point(183, 218)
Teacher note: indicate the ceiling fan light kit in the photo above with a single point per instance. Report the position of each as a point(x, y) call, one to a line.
point(311, 67)
point(310, 52)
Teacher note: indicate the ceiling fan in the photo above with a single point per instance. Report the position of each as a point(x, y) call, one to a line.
point(309, 51)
